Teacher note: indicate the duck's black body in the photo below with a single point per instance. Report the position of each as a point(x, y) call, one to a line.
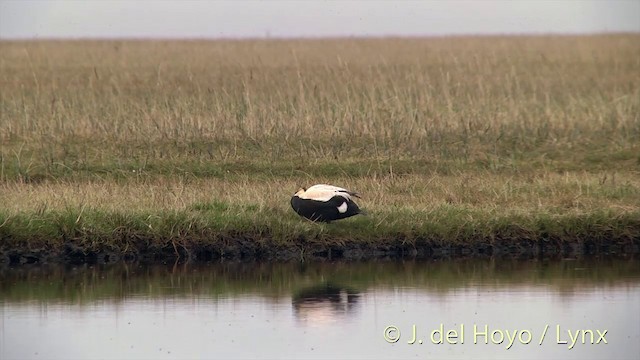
point(325, 203)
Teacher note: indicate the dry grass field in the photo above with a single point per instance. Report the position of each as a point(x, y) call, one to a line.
point(450, 140)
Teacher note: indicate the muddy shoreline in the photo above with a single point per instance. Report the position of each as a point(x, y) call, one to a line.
point(247, 249)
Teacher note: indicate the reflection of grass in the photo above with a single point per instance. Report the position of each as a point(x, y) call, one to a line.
point(110, 142)
point(118, 282)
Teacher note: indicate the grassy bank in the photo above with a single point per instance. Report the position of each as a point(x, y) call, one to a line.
point(482, 144)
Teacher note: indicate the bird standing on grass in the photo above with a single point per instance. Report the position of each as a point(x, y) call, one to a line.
point(325, 203)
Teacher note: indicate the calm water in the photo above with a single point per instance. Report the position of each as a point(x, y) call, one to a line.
point(324, 310)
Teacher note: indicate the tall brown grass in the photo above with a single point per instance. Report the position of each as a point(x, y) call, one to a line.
point(501, 125)
point(414, 97)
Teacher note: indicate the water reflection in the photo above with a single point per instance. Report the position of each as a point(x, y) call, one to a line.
point(83, 284)
point(318, 310)
point(324, 303)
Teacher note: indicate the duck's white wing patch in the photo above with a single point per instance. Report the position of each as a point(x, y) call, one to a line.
point(324, 192)
point(318, 194)
point(347, 194)
point(342, 208)
point(327, 187)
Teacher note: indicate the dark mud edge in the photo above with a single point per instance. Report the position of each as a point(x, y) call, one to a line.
point(265, 249)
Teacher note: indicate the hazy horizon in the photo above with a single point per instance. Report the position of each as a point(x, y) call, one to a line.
point(116, 19)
